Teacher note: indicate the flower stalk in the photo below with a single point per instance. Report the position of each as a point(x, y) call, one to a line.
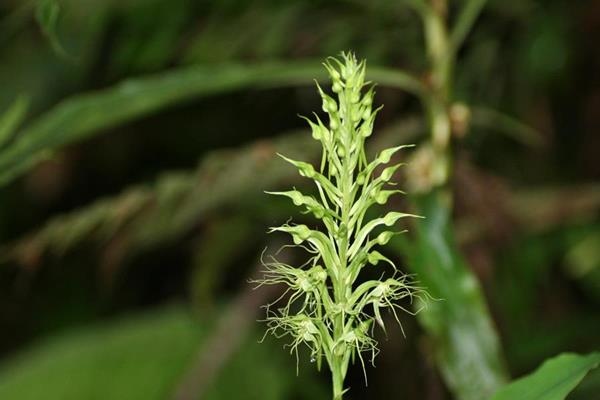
point(326, 309)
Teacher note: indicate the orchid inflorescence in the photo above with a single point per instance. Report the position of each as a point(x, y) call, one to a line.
point(324, 307)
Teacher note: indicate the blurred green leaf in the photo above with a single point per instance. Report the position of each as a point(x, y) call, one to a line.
point(140, 358)
point(84, 115)
point(465, 21)
point(583, 259)
point(543, 207)
point(458, 322)
point(144, 216)
point(523, 293)
point(552, 381)
point(10, 120)
point(214, 254)
point(489, 118)
point(46, 14)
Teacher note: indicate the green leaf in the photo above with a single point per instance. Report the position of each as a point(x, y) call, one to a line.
point(465, 21)
point(141, 357)
point(83, 116)
point(497, 121)
point(213, 257)
point(458, 322)
point(553, 380)
point(10, 120)
point(46, 14)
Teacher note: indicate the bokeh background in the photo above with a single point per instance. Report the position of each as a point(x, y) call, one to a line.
point(137, 138)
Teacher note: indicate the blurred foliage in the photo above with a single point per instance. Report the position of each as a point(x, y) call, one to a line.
point(85, 115)
point(137, 136)
point(553, 380)
point(457, 321)
point(11, 119)
point(142, 357)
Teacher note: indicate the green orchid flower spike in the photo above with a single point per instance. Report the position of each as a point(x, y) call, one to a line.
point(325, 308)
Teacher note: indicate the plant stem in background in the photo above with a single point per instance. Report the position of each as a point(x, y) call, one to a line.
point(464, 340)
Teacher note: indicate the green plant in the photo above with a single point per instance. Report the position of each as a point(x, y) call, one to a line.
point(327, 310)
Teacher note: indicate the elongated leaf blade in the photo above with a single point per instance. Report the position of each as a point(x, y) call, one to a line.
point(47, 13)
point(11, 118)
point(553, 380)
point(458, 322)
point(83, 116)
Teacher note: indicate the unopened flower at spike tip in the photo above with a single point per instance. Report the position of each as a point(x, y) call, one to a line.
point(325, 307)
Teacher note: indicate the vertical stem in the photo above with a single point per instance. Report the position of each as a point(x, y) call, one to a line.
point(339, 359)
point(441, 58)
point(338, 378)
point(338, 371)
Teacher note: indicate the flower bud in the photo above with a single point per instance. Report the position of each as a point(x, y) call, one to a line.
point(329, 105)
point(334, 124)
point(336, 87)
point(360, 179)
point(356, 116)
point(384, 237)
point(366, 129)
point(332, 169)
point(366, 114)
point(307, 170)
point(387, 173)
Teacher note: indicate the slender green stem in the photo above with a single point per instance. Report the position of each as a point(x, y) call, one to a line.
point(441, 58)
point(338, 367)
point(338, 379)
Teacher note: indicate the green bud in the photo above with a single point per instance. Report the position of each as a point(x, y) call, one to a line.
point(366, 113)
point(366, 129)
point(334, 124)
point(382, 196)
point(337, 87)
point(335, 76)
point(346, 73)
point(375, 257)
point(333, 170)
point(330, 106)
point(360, 179)
point(356, 116)
point(387, 173)
point(386, 155)
point(307, 171)
point(384, 237)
